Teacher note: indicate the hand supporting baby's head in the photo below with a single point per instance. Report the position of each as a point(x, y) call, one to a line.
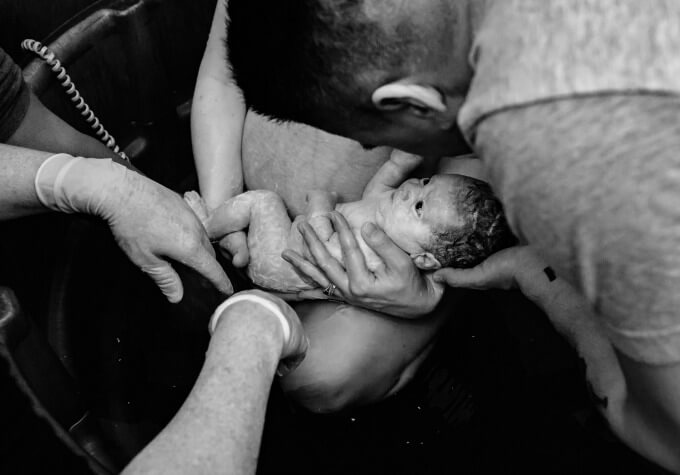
point(481, 230)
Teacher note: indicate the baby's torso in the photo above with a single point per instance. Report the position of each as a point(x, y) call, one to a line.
point(332, 243)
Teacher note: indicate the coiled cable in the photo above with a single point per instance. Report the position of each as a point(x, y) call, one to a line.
point(70, 88)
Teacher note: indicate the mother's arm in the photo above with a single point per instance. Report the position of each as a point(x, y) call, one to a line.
point(217, 118)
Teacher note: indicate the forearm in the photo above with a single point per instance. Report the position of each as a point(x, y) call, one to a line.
point(217, 117)
point(573, 318)
point(618, 246)
point(41, 129)
point(218, 428)
point(18, 167)
point(82, 191)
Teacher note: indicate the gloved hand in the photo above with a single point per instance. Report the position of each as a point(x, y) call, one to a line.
point(149, 222)
point(295, 342)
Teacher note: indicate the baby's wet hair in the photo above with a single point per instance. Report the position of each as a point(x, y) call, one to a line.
point(484, 232)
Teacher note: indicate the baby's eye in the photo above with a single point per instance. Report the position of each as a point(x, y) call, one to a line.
point(419, 208)
point(425, 181)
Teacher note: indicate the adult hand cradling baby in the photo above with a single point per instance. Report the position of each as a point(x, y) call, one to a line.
point(397, 287)
point(149, 222)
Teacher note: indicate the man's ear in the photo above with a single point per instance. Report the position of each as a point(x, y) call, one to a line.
point(420, 100)
point(426, 261)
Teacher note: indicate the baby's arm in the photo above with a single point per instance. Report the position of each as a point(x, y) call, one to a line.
point(319, 204)
point(392, 173)
point(468, 165)
point(217, 117)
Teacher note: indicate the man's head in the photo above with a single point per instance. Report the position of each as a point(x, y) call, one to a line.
point(383, 72)
point(445, 221)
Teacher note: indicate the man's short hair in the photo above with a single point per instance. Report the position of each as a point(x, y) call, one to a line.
point(294, 58)
point(484, 231)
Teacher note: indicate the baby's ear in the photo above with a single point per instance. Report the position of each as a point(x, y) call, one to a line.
point(426, 261)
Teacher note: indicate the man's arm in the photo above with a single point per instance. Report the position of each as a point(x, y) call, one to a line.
point(521, 268)
point(593, 183)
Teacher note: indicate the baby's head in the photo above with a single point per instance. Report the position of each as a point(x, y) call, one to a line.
point(445, 221)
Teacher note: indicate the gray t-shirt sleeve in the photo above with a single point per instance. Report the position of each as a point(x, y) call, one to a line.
point(14, 97)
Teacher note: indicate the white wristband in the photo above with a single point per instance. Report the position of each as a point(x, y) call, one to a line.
point(285, 326)
point(49, 180)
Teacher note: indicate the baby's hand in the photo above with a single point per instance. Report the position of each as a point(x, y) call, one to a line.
point(392, 173)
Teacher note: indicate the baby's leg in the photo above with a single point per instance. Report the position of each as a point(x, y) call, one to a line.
point(268, 236)
point(266, 218)
point(357, 356)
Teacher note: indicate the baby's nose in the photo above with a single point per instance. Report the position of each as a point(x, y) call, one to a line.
point(405, 195)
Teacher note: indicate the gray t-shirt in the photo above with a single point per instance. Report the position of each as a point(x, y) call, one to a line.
point(14, 96)
point(579, 73)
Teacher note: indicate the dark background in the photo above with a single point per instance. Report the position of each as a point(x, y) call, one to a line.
point(501, 393)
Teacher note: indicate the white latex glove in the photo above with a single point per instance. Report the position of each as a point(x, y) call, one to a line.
point(294, 342)
point(149, 222)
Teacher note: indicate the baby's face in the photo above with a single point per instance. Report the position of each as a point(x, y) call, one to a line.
point(411, 213)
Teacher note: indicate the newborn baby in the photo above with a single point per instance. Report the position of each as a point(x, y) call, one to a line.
point(447, 220)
